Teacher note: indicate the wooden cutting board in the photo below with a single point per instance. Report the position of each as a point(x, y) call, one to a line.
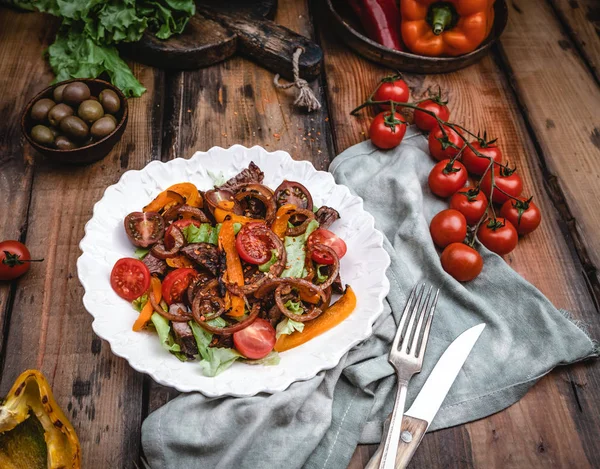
point(222, 28)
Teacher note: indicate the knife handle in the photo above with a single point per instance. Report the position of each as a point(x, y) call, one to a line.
point(412, 433)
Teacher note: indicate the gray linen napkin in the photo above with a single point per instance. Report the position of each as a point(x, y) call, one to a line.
point(318, 423)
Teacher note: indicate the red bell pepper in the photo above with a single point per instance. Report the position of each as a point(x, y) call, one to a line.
point(381, 20)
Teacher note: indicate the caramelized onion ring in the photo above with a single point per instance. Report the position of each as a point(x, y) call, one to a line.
point(176, 315)
point(298, 230)
point(214, 196)
point(309, 292)
point(161, 252)
point(312, 313)
point(236, 327)
point(335, 267)
point(262, 193)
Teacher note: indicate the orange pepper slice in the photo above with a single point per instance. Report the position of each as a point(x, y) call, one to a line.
point(279, 226)
point(330, 318)
point(179, 262)
point(224, 210)
point(184, 192)
point(147, 310)
point(189, 192)
point(234, 272)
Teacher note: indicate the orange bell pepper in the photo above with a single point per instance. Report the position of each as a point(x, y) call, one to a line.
point(185, 192)
point(224, 210)
point(234, 272)
point(179, 262)
point(449, 27)
point(147, 310)
point(331, 317)
point(280, 224)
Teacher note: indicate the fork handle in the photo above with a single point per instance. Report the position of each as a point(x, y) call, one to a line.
point(390, 448)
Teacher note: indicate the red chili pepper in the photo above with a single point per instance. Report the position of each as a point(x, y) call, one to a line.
point(381, 20)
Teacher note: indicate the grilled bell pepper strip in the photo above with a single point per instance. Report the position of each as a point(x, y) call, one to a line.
point(147, 310)
point(449, 27)
point(279, 226)
point(380, 18)
point(32, 393)
point(224, 210)
point(234, 272)
point(331, 317)
point(182, 193)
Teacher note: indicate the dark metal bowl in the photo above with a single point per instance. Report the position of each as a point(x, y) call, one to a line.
point(347, 27)
point(88, 153)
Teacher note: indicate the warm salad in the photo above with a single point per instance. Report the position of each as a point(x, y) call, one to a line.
point(239, 272)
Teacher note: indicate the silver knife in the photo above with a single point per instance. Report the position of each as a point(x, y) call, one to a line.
point(417, 419)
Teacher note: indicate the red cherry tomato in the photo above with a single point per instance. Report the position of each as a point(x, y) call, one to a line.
point(252, 244)
point(523, 214)
point(130, 278)
point(176, 284)
point(445, 179)
point(427, 122)
point(255, 341)
point(326, 237)
point(443, 147)
point(507, 180)
point(462, 262)
point(392, 90)
point(471, 203)
point(185, 222)
point(14, 259)
point(476, 164)
point(387, 131)
point(448, 226)
point(499, 235)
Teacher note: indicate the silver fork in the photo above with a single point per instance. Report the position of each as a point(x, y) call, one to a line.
point(407, 359)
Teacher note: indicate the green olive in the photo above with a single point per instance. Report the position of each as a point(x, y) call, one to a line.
point(58, 113)
point(76, 92)
point(39, 111)
point(102, 127)
point(110, 101)
point(58, 93)
point(74, 128)
point(112, 118)
point(90, 111)
point(42, 135)
point(63, 143)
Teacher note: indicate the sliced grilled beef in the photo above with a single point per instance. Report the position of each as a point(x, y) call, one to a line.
point(185, 338)
point(155, 265)
point(326, 216)
point(204, 254)
point(251, 174)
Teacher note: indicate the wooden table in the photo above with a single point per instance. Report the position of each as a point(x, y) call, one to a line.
point(537, 92)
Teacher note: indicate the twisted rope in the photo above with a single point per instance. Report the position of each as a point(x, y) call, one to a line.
point(306, 97)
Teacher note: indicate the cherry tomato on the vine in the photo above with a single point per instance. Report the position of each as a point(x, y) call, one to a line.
point(447, 146)
point(387, 130)
point(447, 227)
point(15, 259)
point(476, 164)
point(508, 180)
point(392, 89)
point(499, 235)
point(446, 178)
point(462, 262)
point(523, 214)
point(471, 203)
point(427, 122)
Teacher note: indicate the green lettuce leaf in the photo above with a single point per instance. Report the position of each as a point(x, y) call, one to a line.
point(198, 234)
point(287, 326)
point(295, 248)
point(267, 265)
point(218, 178)
point(272, 359)
point(139, 302)
point(214, 360)
point(320, 277)
point(294, 306)
point(163, 329)
point(140, 253)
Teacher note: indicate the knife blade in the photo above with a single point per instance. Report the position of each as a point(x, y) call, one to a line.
point(419, 416)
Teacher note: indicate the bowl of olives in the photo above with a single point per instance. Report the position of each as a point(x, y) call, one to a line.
point(76, 121)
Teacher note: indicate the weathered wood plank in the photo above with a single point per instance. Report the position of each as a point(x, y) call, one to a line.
point(544, 258)
point(49, 327)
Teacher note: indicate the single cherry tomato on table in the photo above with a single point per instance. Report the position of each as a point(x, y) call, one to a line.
point(462, 262)
point(447, 227)
point(176, 283)
point(498, 235)
point(15, 259)
point(444, 147)
point(144, 228)
point(472, 203)
point(252, 243)
point(523, 214)
point(507, 180)
point(387, 130)
point(427, 122)
point(447, 177)
point(326, 237)
point(392, 89)
point(130, 278)
point(476, 164)
point(255, 341)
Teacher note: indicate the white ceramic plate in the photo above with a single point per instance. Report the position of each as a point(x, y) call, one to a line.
point(105, 242)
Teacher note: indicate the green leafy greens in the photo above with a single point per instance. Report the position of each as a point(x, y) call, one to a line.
point(295, 248)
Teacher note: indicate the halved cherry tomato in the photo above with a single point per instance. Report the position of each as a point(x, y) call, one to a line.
point(427, 122)
point(461, 261)
point(476, 164)
point(255, 341)
point(144, 229)
point(448, 226)
point(129, 278)
point(498, 235)
point(523, 214)
point(176, 283)
point(445, 179)
point(292, 192)
point(507, 180)
point(185, 222)
point(392, 90)
point(443, 147)
point(387, 131)
point(252, 244)
point(471, 203)
point(328, 238)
